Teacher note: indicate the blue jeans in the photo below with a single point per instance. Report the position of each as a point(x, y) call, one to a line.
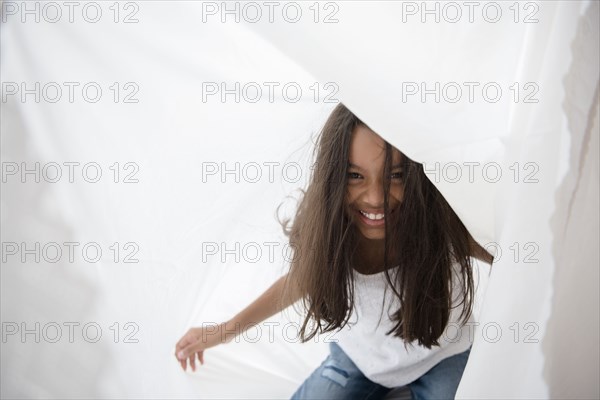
point(338, 378)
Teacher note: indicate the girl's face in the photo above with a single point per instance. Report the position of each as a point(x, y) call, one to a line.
point(365, 182)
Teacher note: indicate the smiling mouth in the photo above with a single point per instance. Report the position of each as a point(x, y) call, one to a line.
point(372, 216)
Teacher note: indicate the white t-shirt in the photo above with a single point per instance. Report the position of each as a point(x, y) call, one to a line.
point(383, 358)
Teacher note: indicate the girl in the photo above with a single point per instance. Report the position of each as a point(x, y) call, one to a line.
point(381, 258)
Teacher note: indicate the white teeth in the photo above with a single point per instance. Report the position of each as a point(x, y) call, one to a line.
point(372, 216)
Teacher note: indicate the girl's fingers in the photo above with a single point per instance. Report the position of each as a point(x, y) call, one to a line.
point(185, 341)
point(181, 342)
point(178, 349)
point(193, 361)
point(187, 351)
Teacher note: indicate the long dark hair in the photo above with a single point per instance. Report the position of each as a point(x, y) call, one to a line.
point(430, 235)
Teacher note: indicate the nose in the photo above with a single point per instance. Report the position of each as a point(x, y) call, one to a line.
point(374, 194)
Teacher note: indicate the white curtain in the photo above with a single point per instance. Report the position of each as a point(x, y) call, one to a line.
point(499, 100)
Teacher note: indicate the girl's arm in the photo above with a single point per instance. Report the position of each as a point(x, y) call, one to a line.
point(196, 340)
point(266, 305)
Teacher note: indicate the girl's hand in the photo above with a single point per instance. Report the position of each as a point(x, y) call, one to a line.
point(195, 341)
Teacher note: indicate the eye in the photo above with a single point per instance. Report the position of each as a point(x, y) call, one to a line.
point(354, 175)
point(399, 175)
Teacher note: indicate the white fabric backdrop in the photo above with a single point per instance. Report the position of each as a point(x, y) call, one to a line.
point(178, 211)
